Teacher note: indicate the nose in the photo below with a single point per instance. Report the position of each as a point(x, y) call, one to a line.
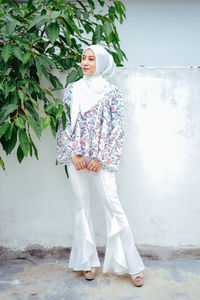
point(85, 62)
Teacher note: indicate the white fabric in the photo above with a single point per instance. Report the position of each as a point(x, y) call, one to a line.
point(121, 254)
point(86, 93)
point(105, 65)
point(90, 89)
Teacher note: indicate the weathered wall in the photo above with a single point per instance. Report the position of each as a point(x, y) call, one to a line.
point(158, 178)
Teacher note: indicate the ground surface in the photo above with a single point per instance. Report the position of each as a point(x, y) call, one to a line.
point(42, 279)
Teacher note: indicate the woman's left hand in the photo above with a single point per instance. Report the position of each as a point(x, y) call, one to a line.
point(93, 165)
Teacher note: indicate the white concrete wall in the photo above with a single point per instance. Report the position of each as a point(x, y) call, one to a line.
point(161, 32)
point(158, 178)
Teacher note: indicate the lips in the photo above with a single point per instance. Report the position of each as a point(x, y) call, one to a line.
point(85, 69)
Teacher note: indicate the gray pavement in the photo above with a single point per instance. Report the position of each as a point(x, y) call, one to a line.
point(42, 279)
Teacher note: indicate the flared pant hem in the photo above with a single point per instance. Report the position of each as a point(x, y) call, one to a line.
point(121, 255)
point(84, 269)
point(83, 254)
point(117, 259)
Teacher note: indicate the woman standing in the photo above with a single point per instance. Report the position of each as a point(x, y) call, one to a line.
point(91, 146)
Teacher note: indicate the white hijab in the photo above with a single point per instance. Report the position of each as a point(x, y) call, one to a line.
point(90, 89)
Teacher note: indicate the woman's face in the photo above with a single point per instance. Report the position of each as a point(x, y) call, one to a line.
point(88, 63)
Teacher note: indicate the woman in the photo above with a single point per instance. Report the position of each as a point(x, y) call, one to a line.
point(91, 147)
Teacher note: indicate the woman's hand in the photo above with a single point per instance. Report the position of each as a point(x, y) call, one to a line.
point(93, 165)
point(79, 162)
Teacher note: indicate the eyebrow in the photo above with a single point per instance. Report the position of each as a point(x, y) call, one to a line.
point(90, 56)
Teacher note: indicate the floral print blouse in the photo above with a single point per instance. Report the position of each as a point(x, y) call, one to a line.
point(98, 133)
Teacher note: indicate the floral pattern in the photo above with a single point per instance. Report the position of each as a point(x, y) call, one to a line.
point(98, 133)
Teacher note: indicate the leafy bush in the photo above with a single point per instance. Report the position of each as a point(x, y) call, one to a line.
point(35, 38)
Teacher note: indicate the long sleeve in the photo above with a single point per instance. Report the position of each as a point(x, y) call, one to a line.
point(65, 143)
point(110, 156)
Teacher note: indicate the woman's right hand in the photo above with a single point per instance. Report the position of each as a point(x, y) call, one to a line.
point(78, 162)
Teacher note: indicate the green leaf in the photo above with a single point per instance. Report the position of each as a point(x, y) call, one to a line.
point(4, 66)
point(33, 102)
point(46, 122)
point(8, 133)
point(19, 123)
point(6, 89)
point(54, 81)
point(23, 69)
point(86, 15)
point(101, 2)
point(3, 128)
point(58, 101)
point(53, 32)
point(20, 41)
point(34, 125)
point(20, 94)
point(30, 4)
point(45, 73)
point(36, 86)
point(26, 57)
point(112, 13)
point(24, 142)
point(50, 61)
point(41, 123)
point(53, 127)
point(30, 88)
point(46, 63)
point(20, 154)
point(64, 120)
point(35, 150)
point(31, 148)
point(6, 109)
point(55, 14)
point(58, 82)
point(50, 109)
point(9, 145)
point(66, 171)
point(78, 13)
point(15, 98)
point(11, 86)
point(31, 109)
point(2, 164)
point(24, 81)
point(73, 76)
point(120, 7)
point(10, 27)
point(73, 25)
point(67, 108)
point(59, 111)
point(81, 4)
point(88, 27)
point(91, 4)
point(97, 36)
point(67, 36)
point(38, 67)
point(121, 54)
point(36, 20)
point(116, 37)
point(107, 28)
point(6, 52)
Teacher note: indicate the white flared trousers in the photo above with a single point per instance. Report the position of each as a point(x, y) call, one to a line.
point(121, 255)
